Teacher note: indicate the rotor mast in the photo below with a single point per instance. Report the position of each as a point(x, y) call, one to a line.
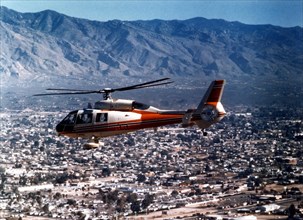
point(107, 94)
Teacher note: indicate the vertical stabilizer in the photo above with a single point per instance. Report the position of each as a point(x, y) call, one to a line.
point(210, 109)
point(213, 94)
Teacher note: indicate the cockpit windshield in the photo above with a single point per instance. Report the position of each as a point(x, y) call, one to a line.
point(70, 118)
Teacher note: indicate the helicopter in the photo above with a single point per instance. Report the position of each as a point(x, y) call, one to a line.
point(111, 117)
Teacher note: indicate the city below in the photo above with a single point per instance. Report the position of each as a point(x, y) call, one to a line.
point(249, 166)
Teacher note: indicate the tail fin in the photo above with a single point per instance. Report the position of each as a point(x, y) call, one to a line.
point(213, 94)
point(210, 109)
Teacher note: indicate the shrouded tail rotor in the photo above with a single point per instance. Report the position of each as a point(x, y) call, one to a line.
point(210, 110)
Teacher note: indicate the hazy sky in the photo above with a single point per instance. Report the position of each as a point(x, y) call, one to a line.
point(286, 13)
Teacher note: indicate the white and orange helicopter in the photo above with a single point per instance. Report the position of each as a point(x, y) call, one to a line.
point(119, 116)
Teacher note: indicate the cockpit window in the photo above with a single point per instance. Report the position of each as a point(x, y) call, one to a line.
point(84, 118)
point(70, 118)
point(140, 106)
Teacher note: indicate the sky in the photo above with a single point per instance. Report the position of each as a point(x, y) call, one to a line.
point(285, 13)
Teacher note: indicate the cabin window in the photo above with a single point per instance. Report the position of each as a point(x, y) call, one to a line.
point(70, 118)
point(101, 117)
point(84, 118)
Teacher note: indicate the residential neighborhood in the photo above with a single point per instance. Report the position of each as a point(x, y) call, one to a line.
point(249, 165)
point(138, 110)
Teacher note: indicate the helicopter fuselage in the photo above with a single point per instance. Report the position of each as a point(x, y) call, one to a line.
point(116, 118)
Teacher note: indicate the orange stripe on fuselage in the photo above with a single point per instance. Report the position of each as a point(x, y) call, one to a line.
point(146, 116)
point(148, 120)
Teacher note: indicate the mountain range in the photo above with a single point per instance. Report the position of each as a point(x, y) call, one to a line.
point(49, 48)
point(47, 43)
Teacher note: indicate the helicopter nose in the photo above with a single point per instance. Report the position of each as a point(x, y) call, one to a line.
point(59, 128)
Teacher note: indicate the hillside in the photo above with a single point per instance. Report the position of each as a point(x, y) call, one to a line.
point(50, 48)
point(49, 43)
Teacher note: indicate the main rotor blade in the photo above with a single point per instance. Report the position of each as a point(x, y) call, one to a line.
point(141, 87)
point(107, 90)
point(150, 83)
point(75, 90)
point(68, 93)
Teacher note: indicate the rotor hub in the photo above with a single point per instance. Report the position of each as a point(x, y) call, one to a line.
point(106, 93)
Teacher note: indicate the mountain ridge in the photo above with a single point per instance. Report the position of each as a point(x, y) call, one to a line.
point(48, 44)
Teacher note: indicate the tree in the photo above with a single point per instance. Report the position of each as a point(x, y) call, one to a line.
point(36, 144)
point(39, 200)
point(148, 199)
point(61, 178)
point(132, 197)
point(71, 202)
point(45, 208)
point(141, 178)
point(291, 211)
point(112, 196)
point(258, 182)
point(198, 191)
point(3, 178)
point(2, 170)
point(57, 196)
point(174, 193)
point(18, 165)
point(151, 180)
point(121, 202)
point(106, 171)
point(135, 207)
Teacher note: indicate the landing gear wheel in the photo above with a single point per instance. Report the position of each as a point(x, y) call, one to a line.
point(204, 133)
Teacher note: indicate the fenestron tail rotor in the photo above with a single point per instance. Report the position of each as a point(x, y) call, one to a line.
point(107, 91)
